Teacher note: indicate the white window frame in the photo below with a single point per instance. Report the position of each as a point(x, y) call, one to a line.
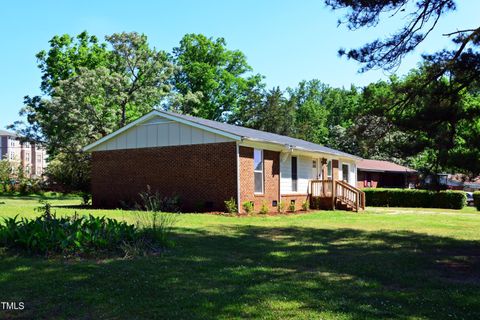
point(259, 171)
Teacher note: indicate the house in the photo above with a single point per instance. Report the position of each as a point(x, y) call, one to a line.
point(206, 162)
point(30, 157)
point(384, 174)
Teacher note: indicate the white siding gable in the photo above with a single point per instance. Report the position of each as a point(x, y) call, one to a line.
point(160, 132)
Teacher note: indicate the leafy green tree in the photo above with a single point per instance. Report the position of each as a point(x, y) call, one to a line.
point(311, 111)
point(438, 128)
point(5, 174)
point(145, 72)
point(219, 76)
point(277, 114)
point(71, 171)
point(67, 55)
point(92, 89)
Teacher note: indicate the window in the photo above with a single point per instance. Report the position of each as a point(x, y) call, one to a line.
point(314, 164)
point(329, 169)
point(345, 172)
point(294, 175)
point(12, 155)
point(258, 170)
point(27, 156)
point(39, 158)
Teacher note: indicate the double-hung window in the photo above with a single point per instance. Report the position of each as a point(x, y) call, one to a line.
point(258, 170)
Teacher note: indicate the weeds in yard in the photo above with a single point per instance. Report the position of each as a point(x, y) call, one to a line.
point(291, 207)
point(155, 224)
point(155, 202)
point(248, 207)
point(305, 205)
point(263, 208)
point(281, 207)
point(231, 206)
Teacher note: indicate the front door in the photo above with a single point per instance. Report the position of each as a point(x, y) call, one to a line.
point(345, 172)
point(316, 170)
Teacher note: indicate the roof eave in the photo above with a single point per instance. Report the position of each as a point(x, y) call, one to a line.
point(286, 147)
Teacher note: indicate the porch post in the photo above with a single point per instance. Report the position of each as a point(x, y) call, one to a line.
point(323, 162)
point(334, 179)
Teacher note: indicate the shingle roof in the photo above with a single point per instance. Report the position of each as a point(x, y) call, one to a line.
point(261, 135)
point(7, 133)
point(381, 166)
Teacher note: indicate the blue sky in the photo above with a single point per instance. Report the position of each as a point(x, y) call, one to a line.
point(286, 41)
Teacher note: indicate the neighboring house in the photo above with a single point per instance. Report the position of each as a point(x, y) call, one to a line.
point(207, 162)
point(457, 182)
point(384, 174)
point(30, 157)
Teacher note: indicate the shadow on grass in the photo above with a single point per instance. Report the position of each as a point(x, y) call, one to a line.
point(257, 272)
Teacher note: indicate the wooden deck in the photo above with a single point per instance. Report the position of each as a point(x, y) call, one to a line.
point(335, 194)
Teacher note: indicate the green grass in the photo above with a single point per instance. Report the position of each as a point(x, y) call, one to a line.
point(384, 263)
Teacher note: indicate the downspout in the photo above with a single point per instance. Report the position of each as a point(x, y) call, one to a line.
point(238, 177)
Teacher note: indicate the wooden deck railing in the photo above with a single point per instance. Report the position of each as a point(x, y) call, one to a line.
point(338, 191)
point(321, 188)
point(350, 195)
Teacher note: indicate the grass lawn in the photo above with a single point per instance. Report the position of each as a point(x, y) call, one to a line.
point(383, 263)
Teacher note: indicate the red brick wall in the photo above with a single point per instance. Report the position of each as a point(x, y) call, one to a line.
point(299, 199)
point(373, 178)
point(271, 163)
point(203, 175)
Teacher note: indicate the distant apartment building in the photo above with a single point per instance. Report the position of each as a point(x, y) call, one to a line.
point(32, 158)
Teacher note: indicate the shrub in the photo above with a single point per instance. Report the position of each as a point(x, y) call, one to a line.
point(48, 234)
point(29, 186)
point(263, 208)
point(281, 207)
point(86, 198)
point(305, 205)
point(415, 198)
point(248, 206)
point(291, 207)
point(476, 199)
point(231, 206)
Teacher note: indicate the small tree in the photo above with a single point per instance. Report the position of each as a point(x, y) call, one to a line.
point(5, 174)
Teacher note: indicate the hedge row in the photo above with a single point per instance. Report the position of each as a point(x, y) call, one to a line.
point(476, 199)
point(414, 198)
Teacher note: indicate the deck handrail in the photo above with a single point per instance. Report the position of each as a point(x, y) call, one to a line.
point(350, 195)
point(321, 188)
